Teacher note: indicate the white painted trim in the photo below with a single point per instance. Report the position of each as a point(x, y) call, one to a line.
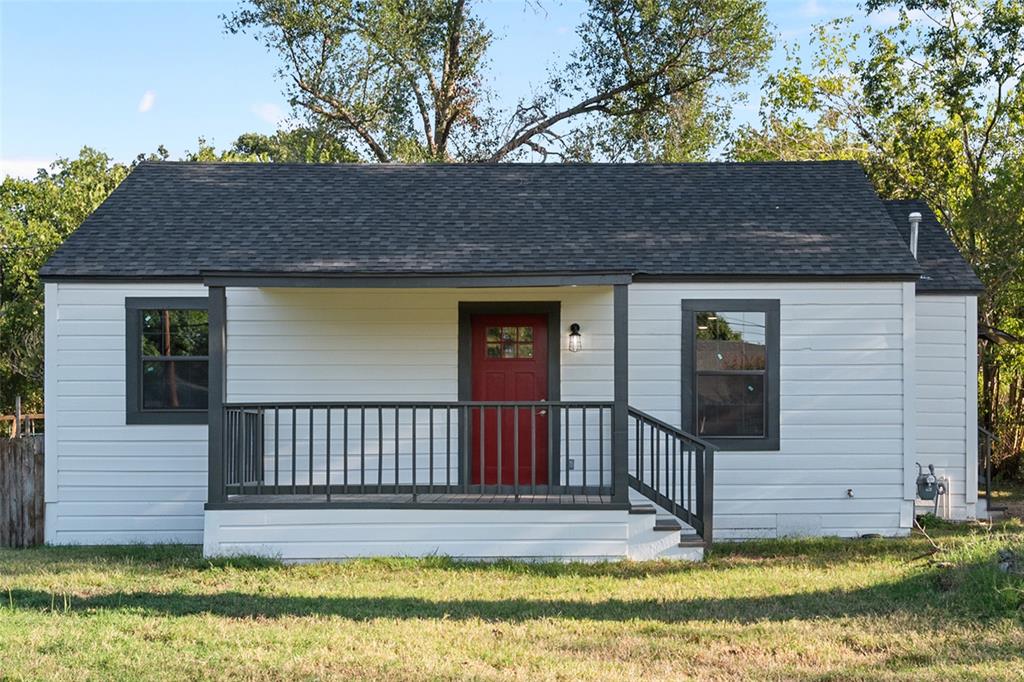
point(971, 386)
point(302, 535)
point(909, 391)
point(50, 401)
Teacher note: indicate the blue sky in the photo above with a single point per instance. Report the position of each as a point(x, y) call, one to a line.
point(127, 76)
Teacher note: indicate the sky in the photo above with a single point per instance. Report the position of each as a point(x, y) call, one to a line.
point(127, 76)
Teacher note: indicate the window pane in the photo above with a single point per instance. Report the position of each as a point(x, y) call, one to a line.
point(526, 350)
point(508, 334)
point(730, 341)
point(175, 332)
point(174, 384)
point(526, 334)
point(508, 349)
point(493, 334)
point(494, 350)
point(730, 405)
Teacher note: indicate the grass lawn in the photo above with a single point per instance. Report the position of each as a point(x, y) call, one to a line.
point(808, 609)
point(1009, 494)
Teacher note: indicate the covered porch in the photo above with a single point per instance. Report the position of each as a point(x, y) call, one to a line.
point(436, 393)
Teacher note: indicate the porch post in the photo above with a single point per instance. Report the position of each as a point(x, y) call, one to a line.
point(620, 410)
point(217, 392)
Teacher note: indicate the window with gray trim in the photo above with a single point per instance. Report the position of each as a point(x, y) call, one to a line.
point(730, 366)
point(167, 371)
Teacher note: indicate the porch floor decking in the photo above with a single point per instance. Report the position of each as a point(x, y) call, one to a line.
point(442, 500)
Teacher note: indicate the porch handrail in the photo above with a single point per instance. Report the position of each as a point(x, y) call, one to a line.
point(674, 469)
point(417, 447)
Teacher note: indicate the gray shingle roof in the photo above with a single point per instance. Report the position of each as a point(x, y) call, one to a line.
point(673, 220)
point(944, 268)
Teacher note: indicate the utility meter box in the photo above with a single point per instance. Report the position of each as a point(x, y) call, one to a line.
point(927, 483)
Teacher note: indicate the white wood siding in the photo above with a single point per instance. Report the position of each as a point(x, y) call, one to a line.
point(841, 406)
point(947, 395)
point(532, 534)
point(374, 345)
point(843, 355)
point(107, 482)
point(387, 344)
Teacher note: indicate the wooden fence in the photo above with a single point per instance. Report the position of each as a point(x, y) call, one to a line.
point(22, 423)
point(21, 491)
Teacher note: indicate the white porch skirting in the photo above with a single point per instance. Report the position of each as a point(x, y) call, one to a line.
point(300, 535)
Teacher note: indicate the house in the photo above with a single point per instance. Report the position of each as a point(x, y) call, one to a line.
point(562, 361)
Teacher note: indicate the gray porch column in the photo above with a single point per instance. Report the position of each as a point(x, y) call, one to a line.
point(620, 411)
point(217, 392)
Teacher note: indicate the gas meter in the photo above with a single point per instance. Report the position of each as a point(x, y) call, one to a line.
point(928, 485)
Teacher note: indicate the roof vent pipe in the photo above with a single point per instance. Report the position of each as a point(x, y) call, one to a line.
point(915, 224)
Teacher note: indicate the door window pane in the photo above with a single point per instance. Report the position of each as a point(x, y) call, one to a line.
point(509, 342)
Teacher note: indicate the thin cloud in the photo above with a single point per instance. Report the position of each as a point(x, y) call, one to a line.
point(22, 167)
point(811, 8)
point(890, 17)
point(147, 101)
point(269, 112)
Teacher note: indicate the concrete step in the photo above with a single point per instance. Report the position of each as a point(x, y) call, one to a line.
point(690, 540)
point(642, 509)
point(663, 523)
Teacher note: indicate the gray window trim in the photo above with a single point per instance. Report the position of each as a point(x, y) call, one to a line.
point(406, 280)
point(689, 365)
point(134, 414)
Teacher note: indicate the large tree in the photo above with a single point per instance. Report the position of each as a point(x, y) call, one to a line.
point(404, 80)
point(934, 107)
point(36, 215)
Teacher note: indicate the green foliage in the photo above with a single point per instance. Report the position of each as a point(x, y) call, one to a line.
point(934, 107)
point(404, 80)
point(35, 217)
point(295, 145)
point(38, 214)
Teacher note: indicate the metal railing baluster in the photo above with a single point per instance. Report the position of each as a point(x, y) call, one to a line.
point(498, 438)
point(295, 454)
point(398, 446)
point(466, 446)
point(515, 451)
point(327, 450)
point(448, 448)
point(344, 450)
point(430, 435)
point(414, 453)
point(277, 451)
point(568, 462)
point(483, 427)
point(533, 450)
point(583, 434)
point(362, 450)
point(380, 449)
point(261, 429)
point(311, 421)
point(600, 450)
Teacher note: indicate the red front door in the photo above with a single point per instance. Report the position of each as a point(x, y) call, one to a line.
point(510, 364)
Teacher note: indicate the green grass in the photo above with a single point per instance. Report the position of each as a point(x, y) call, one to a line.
point(1007, 491)
point(812, 609)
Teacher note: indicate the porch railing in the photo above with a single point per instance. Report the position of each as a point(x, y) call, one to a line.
point(333, 450)
point(674, 469)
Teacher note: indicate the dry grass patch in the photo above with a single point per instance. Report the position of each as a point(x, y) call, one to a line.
point(809, 609)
